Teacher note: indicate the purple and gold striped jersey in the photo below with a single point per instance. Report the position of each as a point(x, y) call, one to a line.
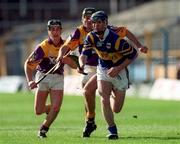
point(112, 50)
point(121, 31)
point(44, 56)
point(76, 40)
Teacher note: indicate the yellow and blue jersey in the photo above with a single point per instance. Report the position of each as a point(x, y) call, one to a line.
point(112, 50)
point(76, 40)
point(44, 56)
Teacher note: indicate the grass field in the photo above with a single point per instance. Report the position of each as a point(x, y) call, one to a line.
point(157, 122)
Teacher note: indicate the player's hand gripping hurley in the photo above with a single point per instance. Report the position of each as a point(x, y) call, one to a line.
point(50, 71)
point(58, 64)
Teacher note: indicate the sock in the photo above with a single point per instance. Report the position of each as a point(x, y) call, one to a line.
point(90, 117)
point(113, 129)
point(90, 120)
point(44, 129)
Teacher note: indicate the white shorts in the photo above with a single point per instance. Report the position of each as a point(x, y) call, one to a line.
point(120, 82)
point(51, 81)
point(90, 70)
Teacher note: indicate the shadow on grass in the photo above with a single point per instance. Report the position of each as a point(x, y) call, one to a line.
point(176, 137)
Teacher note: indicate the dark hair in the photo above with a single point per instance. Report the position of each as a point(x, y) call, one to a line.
point(54, 22)
point(88, 11)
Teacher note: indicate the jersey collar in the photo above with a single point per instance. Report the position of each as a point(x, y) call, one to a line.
point(106, 32)
point(51, 42)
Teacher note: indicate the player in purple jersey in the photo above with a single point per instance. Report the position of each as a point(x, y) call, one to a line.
point(114, 54)
point(76, 42)
point(41, 60)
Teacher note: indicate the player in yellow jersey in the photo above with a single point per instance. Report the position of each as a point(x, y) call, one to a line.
point(114, 55)
point(76, 41)
point(89, 83)
point(41, 60)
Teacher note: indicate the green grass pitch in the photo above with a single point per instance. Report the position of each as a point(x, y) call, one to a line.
point(141, 121)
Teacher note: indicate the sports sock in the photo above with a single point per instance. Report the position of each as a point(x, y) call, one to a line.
point(90, 120)
point(113, 129)
point(90, 117)
point(44, 129)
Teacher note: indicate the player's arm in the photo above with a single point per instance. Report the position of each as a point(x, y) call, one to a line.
point(62, 52)
point(130, 53)
point(82, 62)
point(31, 64)
point(114, 71)
point(134, 39)
point(86, 51)
point(29, 69)
point(124, 32)
point(70, 44)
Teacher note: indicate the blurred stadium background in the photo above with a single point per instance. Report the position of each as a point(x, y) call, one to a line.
point(155, 22)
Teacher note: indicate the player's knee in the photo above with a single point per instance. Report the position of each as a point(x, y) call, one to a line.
point(87, 92)
point(55, 108)
point(105, 102)
point(116, 109)
point(38, 111)
point(89, 89)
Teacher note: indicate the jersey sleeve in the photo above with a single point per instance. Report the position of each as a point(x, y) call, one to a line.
point(127, 50)
point(35, 57)
point(88, 45)
point(73, 40)
point(121, 31)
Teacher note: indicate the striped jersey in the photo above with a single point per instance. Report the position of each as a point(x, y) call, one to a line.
point(76, 40)
point(112, 50)
point(44, 56)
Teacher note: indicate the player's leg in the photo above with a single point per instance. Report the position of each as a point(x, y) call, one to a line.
point(120, 84)
point(55, 87)
point(89, 91)
point(56, 97)
point(40, 106)
point(117, 100)
point(105, 88)
point(41, 95)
